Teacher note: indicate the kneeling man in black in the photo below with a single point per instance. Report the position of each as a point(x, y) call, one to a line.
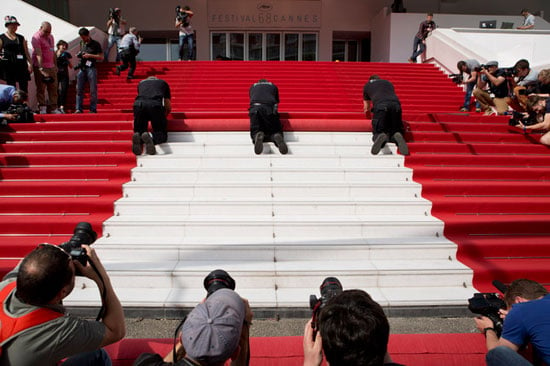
point(152, 104)
point(387, 124)
point(265, 124)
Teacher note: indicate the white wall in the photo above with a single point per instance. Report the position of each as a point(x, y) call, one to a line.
point(448, 46)
point(404, 26)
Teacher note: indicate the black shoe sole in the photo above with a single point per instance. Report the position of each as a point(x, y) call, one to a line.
point(259, 143)
point(281, 144)
point(136, 144)
point(378, 143)
point(149, 145)
point(401, 143)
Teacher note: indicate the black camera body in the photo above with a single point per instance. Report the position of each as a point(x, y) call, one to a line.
point(488, 304)
point(456, 78)
point(509, 72)
point(182, 16)
point(83, 234)
point(216, 280)
point(517, 117)
point(23, 112)
point(330, 287)
point(82, 61)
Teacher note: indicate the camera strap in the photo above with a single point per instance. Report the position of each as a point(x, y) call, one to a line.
point(13, 326)
point(101, 312)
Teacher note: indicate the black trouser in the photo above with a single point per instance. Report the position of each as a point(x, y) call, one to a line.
point(386, 119)
point(128, 58)
point(17, 74)
point(264, 118)
point(63, 80)
point(151, 110)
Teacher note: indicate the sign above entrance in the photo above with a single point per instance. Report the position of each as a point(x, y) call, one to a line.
point(258, 14)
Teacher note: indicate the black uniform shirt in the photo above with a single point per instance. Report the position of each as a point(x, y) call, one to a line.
point(265, 93)
point(379, 91)
point(153, 89)
point(93, 48)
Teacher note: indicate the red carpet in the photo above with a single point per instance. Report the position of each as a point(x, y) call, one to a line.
point(408, 349)
point(490, 185)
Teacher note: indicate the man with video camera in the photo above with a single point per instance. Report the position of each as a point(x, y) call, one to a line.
point(215, 331)
point(35, 328)
point(497, 81)
point(11, 97)
point(186, 33)
point(353, 331)
point(115, 30)
point(526, 320)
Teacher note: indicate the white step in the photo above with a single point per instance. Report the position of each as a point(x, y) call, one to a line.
point(232, 175)
point(285, 227)
point(147, 248)
point(279, 224)
point(311, 161)
point(177, 297)
point(138, 206)
point(281, 191)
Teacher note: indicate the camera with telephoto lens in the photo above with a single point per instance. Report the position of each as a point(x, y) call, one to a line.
point(182, 16)
point(509, 72)
point(22, 111)
point(330, 287)
point(216, 280)
point(456, 78)
point(83, 234)
point(489, 304)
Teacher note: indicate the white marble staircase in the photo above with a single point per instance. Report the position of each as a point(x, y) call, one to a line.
point(279, 224)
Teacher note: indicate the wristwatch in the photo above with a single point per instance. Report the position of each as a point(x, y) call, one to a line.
point(486, 329)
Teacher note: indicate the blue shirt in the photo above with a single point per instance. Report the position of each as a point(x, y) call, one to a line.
point(6, 97)
point(529, 322)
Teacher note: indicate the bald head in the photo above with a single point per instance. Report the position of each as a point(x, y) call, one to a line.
point(46, 28)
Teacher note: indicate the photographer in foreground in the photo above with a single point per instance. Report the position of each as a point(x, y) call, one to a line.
point(497, 81)
point(526, 320)
point(215, 331)
point(353, 331)
point(32, 295)
point(8, 97)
